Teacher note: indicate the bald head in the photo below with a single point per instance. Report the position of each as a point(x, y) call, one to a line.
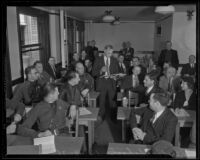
point(192, 59)
point(80, 68)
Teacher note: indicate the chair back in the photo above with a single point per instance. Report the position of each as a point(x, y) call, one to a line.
point(132, 98)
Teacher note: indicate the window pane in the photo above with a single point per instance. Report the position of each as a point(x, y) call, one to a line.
point(29, 29)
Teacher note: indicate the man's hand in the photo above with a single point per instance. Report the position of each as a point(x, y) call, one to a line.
point(85, 92)
point(45, 134)
point(72, 111)
point(11, 128)
point(138, 133)
point(17, 117)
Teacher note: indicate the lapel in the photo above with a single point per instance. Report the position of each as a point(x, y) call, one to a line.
point(160, 119)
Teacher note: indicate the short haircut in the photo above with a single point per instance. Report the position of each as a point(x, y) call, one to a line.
point(37, 62)
point(70, 75)
point(29, 69)
point(108, 46)
point(153, 75)
point(47, 88)
point(79, 62)
point(189, 80)
point(162, 97)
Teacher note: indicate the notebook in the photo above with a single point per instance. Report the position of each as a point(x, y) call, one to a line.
point(84, 111)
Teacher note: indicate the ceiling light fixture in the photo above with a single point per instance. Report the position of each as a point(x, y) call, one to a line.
point(108, 17)
point(165, 9)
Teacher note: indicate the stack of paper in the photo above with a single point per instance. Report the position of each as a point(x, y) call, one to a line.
point(47, 143)
point(83, 111)
point(190, 153)
point(182, 113)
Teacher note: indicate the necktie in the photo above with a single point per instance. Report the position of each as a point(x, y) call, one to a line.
point(52, 125)
point(107, 66)
point(153, 119)
point(54, 70)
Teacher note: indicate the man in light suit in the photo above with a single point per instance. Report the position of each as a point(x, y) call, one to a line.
point(103, 69)
point(168, 55)
point(160, 125)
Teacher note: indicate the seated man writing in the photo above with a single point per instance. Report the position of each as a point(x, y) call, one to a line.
point(50, 115)
point(157, 121)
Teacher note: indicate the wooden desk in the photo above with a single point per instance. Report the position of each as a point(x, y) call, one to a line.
point(92, 98)
point(89, 119)
point(64, 145)
point(184, 121)
point(122, 148)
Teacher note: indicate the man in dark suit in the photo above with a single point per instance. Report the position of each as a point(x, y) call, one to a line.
point(93, 51)
point(129, 54)
point(189, 69)
point(103, 69)
point(51, 69)
point(168, 55)
point(122, 67)
point(157, 121)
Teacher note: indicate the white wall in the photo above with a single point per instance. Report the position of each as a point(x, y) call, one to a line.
point(140, 34)
point(166, 34)
point(184, 35)
point(54, 27)
point(13, 40)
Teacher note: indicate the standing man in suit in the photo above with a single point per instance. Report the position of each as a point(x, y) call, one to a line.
point(103, 69)
point(129, 54)
point(51, 69)
point(168, 55)
point(189, 69)
point(94, 51)
point(158, 122)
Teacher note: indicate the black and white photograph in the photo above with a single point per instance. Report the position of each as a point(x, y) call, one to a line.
point(101, 80)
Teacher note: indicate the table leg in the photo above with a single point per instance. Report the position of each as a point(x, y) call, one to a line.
point(123, 130)
point(90, 137)
point(177, 135)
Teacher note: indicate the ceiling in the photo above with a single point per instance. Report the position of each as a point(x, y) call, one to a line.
point(129, 13)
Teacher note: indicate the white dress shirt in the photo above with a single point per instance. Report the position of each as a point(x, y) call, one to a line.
point(149, 89)
point(105, 59)
point(158, 114)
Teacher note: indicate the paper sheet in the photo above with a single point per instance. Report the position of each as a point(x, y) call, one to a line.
point(83, 111)
point(182, 113)
point(190, 154)
point(47, 144)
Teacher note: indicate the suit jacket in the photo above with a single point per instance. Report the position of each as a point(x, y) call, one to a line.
point(180, 99)
point(176, 83)
point(50, 71)
point(127, 82)
point(44, 78)
point(71, 94)
point(45, 115)
point(86, 81)
point(128, 57)
point(98, 64)
point(162, 129)
point(174, 58)
point(188, 70)
point(122, 69)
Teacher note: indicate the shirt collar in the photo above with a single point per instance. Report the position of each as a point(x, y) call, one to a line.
point(149, 89)
point(158, 114)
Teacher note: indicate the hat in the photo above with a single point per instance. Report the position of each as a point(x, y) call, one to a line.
point(163, 147)
point(188, 79)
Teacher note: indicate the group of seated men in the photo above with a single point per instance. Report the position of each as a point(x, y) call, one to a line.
point(54, 97)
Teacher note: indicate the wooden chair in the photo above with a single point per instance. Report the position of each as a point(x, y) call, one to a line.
point(132, 98)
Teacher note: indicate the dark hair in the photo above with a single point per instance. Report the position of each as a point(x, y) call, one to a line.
point(70, 75)
point(28, 70)
point(80, 63)
point(37, 62)
point(47, 88)
point(153, 75)
point(189, 80)
point(108, 46)
point(162, 97)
